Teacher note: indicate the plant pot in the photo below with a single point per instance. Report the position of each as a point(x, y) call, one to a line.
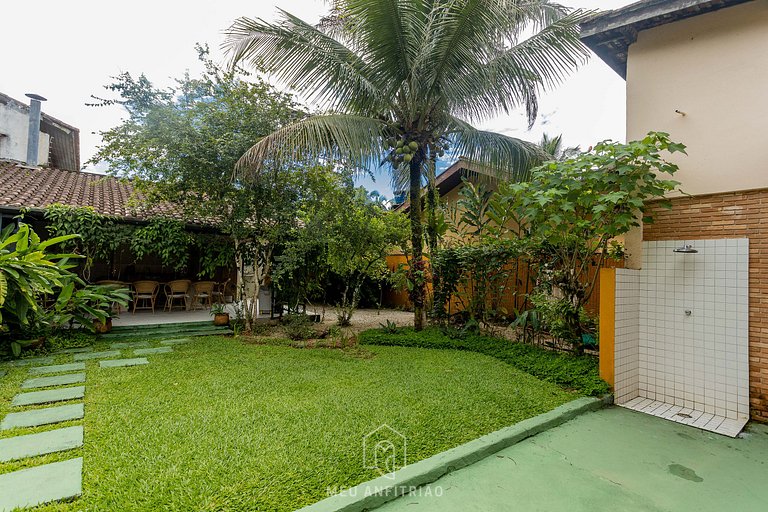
point(32, 344)
point(221, 319)
point(103, 328)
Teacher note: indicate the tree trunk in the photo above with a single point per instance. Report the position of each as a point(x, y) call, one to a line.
point(417, 249)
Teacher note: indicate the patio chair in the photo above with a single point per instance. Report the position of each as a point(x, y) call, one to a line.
point(220, 292)
point(146, 292)
point(177, 290)
point(202, 293)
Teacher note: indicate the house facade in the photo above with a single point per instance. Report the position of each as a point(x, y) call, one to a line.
point(684, 331)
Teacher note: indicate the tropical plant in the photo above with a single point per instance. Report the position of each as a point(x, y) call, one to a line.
point(219, 309)
point(577, 208)
point(28, 272)
point(401, 80)
point(83, 305)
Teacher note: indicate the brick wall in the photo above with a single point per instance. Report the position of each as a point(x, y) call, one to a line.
point(731, 215)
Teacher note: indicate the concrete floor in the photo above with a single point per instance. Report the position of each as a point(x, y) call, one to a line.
point(611, 460)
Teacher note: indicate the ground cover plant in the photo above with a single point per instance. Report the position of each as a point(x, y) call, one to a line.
point(223, 425)
point(571, 371)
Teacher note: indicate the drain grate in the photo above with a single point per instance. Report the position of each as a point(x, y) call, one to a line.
point(683, 415)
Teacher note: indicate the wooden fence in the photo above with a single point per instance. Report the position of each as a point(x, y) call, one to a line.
point(515, 296)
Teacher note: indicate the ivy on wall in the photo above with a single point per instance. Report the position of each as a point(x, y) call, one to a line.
point(167, 239)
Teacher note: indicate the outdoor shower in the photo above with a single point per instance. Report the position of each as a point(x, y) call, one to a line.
point(686, 249)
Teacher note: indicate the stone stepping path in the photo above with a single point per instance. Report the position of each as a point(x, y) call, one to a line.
point(57, 380)
point(76, 350)
point(178, 341)
point(46, 416)
point(97, 355)
point(150, 351)
point(48, 396)
point(57, 368)
point(31, 360)
point(130, 344)
point(118, 363)
point(33, 445)
point(41, 484)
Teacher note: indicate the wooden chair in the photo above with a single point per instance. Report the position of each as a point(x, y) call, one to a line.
point(220, 292)
point(145, 291)
point(174, 290)
point(202, 293)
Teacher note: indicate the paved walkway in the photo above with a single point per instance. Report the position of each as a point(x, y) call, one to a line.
point(611, 460)
point(57, 480)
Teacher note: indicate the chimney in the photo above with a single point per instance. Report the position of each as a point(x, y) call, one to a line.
point(33, 140)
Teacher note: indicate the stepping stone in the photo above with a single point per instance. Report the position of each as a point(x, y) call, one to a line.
point(32, 445)
point(57, 380)
point(38, 417)
point(48, 396)
point(130, 344)
point(76, 350)
point(117, 363)
point(178, 341)
point(97, 355)
point(57, 368)
point(41, 484)
point(31, 360)
point(150, 351)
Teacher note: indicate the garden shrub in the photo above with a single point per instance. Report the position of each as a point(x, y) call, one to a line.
point(298, 327)
point(567, 370)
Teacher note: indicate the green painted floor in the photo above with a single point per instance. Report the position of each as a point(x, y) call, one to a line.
point(612, 460)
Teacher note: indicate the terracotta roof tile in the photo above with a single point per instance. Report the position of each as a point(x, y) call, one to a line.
point(22, 186)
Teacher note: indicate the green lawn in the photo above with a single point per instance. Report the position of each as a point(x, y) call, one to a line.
point(222, 425)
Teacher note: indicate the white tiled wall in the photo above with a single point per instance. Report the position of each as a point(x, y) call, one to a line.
point(626, 335)
point(698, 361)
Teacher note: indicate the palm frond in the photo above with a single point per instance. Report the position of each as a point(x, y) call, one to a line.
point(307, 60)
point(483, 62)
point(355, 140)
point(499, 155)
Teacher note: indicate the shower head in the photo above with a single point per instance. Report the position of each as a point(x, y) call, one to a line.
point(686, 249)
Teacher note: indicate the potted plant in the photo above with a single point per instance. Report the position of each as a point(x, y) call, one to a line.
point(220, 314)
point(102, 327)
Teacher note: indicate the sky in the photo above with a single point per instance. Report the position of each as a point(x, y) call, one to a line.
point(67, 51)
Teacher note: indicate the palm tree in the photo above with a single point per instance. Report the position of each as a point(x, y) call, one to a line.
point(553, 147)
point(400, 81)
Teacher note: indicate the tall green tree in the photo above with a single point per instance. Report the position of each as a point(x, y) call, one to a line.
point(400, 81)
point(181, 144)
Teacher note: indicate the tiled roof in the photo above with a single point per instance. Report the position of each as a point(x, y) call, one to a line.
point(35, 188)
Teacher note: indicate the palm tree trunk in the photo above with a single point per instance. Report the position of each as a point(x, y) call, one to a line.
point(417, 249)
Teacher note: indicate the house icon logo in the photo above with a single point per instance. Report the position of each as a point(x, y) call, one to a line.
point(385, 450)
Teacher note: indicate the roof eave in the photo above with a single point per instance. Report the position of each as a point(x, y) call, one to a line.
point(610, 34)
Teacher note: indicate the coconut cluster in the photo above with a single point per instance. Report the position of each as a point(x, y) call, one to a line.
point(403, 150)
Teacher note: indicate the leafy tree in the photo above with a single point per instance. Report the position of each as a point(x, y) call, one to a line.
point(360, 234)
point(181, 144)
point(400, 81)
point(576, 209)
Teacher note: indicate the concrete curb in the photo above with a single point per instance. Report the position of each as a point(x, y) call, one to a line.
point(374, 493)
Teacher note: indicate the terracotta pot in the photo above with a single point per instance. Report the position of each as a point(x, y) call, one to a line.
point(221, 319)
point(103, 328)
